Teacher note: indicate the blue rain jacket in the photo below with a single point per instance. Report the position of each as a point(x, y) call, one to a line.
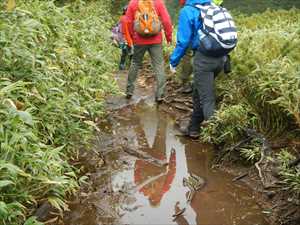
point(188, 25)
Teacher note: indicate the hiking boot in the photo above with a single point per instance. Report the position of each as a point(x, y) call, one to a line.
point(205, 123)
point(189, 133)
point(194, 134)
point(159, 99)
point(128, 96)
point(122, 67)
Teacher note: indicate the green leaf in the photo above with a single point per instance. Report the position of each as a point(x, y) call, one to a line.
point(26, 117)
point(3, 209)
point(32, 221)
point(4, 183)
point(57, 203)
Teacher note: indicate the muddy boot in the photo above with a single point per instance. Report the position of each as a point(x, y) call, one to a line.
point(187, 131)
point(128, 96)
point(191, 129)
point(186, 88)
point(159, 100)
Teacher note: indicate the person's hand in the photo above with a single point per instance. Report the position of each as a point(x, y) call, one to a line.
point(172, 69)
point(115, 43)
point(130, 50)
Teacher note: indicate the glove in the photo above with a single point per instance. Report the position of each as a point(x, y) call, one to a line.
point(123, 46)
point(172, 69)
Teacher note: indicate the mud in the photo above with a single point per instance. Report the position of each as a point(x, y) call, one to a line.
point(128, 189)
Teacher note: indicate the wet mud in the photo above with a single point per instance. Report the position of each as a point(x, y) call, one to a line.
point(130, 188)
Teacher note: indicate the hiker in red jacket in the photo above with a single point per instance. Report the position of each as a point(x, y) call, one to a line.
point(127, 44)
point(153, 181)
point(145, 20)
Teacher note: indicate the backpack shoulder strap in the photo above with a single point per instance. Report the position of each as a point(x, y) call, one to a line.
point(206, 17)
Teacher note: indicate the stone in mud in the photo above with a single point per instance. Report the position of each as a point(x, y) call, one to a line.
point(42, 213)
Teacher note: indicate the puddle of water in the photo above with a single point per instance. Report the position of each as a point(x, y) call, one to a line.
point(143, 193)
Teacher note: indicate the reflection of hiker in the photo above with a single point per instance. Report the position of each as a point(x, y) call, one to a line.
point(210, 31)
point(145, 20)
point(186, 67)
point(144, 172)
point(120, 36)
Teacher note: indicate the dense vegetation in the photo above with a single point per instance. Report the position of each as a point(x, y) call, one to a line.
point(263, 92)
point(55, 70)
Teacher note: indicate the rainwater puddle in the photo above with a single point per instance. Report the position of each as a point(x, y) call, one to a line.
point(144, 193)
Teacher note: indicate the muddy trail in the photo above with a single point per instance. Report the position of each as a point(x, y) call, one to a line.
point(142, 171)
point(132, 189)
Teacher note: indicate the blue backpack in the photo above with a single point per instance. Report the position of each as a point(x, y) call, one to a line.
point(117, 35)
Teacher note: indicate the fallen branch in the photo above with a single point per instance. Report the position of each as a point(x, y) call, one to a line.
point(240, 177)
point(181, 107)
point(262, 157)
point(179, 213)
point(264, 150)
point(145, 156)
point(148, 181)
point(190, 196)
point(230, 149)
point(194, 183)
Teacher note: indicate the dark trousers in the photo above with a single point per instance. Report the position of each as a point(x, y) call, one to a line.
point(156, 54)
point(205, 70)
point(124, 55)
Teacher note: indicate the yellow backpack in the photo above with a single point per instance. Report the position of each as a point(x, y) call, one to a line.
point(146, 22)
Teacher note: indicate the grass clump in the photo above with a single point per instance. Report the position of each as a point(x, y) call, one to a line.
point(265, 80)
point(262, 92)
point(55, 71)
point(227, 125)
point(289, 174)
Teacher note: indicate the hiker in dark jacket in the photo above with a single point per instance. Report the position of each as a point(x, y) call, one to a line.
point(205, 68)
point(186, 67)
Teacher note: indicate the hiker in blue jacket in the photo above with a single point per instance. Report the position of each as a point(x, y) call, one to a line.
point(205, 67)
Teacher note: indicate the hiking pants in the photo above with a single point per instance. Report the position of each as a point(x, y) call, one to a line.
point(205, 70)
point(157, 60)
point(123, 56)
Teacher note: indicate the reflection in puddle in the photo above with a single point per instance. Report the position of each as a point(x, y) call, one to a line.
point(160, 189)
point(151, 194)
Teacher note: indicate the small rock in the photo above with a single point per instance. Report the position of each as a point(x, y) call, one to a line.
point(270, 194)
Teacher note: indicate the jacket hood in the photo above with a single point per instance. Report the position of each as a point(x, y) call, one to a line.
point(192, 2)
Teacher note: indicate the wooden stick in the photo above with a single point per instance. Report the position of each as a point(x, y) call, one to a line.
point(240, 176)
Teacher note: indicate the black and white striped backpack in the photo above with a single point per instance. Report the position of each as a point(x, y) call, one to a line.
point(218, 35)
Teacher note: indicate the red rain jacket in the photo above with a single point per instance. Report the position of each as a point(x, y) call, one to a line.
point(125, 30)
point(181, 2)
point(164, 18)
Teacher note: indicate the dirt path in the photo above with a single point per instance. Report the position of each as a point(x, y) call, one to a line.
point(150, 175)
point(139, 168)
